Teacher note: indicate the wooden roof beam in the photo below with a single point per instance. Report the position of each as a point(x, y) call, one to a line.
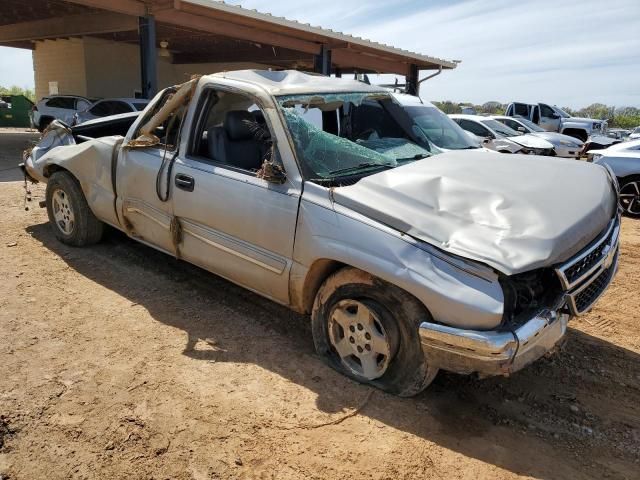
point(350, 60)
point(69, 26)
point(203, 19)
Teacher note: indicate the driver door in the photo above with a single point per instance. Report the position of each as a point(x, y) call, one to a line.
point(549, 119)
point(233, 223)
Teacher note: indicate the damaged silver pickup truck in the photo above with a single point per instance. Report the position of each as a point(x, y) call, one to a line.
point(321, 194)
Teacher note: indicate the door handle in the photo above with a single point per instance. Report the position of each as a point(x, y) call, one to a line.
point(185, 182)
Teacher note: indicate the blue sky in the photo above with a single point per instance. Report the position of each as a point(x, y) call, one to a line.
point(566, 52)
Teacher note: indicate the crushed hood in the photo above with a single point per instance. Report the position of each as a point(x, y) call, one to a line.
point(513, 212)
point(558, 138)
point(531, 141)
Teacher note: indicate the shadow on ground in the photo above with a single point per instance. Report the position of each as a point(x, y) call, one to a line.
point(580, 405)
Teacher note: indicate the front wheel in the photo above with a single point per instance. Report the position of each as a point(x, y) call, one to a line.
point(630, 196)
point(367, 329)
point(72, 220)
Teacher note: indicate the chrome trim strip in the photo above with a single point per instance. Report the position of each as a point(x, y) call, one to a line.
point(560, 271)
point(147, 211)
point(278, 265)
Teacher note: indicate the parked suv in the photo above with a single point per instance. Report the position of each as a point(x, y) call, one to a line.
point(553, 119)
point(110, 106)
point(60, 107)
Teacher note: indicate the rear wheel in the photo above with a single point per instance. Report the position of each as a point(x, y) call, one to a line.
point(72, 220)
point(630, 196)
point(367, 329)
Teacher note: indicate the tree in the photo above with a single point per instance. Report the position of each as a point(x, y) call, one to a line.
point(15, 90)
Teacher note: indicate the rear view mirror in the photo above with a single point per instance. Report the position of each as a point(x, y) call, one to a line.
point(521, 129)
point(486, 141)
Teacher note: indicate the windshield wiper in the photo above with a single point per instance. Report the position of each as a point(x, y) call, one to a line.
point(360, 166)
point(419, 156)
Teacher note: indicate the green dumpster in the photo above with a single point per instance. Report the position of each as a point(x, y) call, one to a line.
point(15, 111)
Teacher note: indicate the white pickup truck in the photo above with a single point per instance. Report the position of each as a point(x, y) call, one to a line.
point(323, 195)
point(554, 119)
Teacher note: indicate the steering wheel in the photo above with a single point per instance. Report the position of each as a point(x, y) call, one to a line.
point(365, 134)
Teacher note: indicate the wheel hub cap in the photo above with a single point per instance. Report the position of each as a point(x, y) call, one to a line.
point(359, 339)
point(62, 211)
point(630, 198)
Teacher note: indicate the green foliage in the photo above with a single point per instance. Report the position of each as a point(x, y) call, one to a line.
point(15, 90)
point(621, 117)
point(448, 107)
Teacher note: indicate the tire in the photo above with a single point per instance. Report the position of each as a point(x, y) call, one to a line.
point(70, 217)
point(581, 135)
point(354, 309)
point(630, 196)
point(44, 123)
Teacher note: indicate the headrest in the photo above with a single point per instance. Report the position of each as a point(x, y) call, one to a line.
point(238, 123)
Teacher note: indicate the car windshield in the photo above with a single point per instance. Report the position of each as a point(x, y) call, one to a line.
point(561, 112)
point(530, 125)
point(350, 134)
point(499, 128)
point(439, 129)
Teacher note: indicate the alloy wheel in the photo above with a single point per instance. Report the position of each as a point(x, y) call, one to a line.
point(359, 338)
point(63, 211)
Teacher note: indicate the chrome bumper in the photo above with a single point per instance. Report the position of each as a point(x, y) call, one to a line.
point(492, 353)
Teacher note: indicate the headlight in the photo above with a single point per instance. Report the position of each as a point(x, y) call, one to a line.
point(471, 267)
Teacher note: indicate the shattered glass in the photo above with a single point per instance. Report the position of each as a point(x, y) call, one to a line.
point(395, 148)
point(325, 153)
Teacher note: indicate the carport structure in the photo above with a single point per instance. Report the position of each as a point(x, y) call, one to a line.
point(205, 32)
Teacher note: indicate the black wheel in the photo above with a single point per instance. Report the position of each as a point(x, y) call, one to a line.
point(72, 220)
point(367, 329)
point(630, 196)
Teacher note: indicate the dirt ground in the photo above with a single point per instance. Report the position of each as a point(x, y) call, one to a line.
point(118, 362)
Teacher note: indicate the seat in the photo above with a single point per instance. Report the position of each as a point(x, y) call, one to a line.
point(235, 143)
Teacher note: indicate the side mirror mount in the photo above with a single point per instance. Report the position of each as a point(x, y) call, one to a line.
point(272, 171)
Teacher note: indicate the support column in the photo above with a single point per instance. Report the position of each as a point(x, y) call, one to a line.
point(148, 55)
point(322, 62)
point(411, 81)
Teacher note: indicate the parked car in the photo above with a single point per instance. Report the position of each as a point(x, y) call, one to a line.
point(407, 262)
point(563, 145)
point(437, 128)
point(497, 136)
point(61, 107)
point(554, 119)
point(110, 106)
point(624, 160)
point(619, 133)
point(635, 134)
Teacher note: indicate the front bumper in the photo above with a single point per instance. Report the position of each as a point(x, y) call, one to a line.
point(565, 151)
point(491, 353)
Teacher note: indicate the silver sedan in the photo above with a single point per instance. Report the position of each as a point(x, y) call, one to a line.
point(564, 145)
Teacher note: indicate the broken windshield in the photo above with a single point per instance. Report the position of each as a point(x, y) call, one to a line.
point(348, 134)
point(439, 128)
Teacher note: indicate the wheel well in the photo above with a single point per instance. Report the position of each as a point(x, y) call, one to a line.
point(319, 271)
point(628, 178)
point(576, 133)
point(52, 168)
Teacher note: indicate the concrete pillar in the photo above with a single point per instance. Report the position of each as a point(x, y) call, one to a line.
point(148, 55)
